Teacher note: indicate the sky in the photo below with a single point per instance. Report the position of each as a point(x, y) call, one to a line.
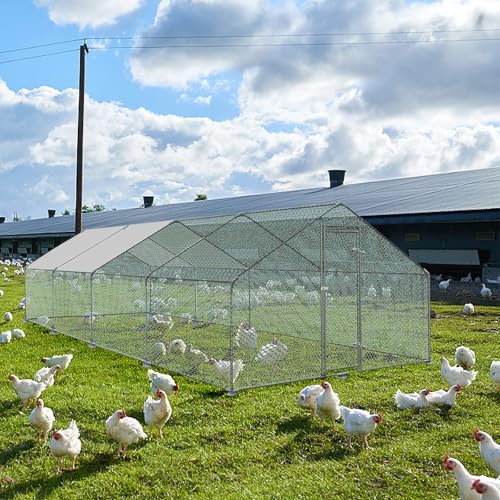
point(236, 97)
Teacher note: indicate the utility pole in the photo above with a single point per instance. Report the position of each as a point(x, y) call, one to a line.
point(79, 144)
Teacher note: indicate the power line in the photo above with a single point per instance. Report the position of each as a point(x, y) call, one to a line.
point(270, 35)
point(38, 56)
point(31, 47)
point(304, 44)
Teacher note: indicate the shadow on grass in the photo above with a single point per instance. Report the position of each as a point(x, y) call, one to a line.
point(328, 444)
point(42, 487)
point(300, 423)
point(6, 406)
point(495, 396)
point(11, 453)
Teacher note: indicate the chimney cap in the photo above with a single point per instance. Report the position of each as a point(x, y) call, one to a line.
point(148, 201)
point(336, 177)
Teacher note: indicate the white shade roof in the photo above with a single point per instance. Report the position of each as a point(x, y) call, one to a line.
point(91, 249)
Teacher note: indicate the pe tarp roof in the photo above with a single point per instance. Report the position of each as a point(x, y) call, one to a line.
point(91, 249)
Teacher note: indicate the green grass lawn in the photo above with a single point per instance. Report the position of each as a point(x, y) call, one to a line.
point(258, 444)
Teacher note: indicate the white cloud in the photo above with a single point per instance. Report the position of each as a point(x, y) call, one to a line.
point(204, 100)
point(88, 13)
point(449, 83)
point(129, 152)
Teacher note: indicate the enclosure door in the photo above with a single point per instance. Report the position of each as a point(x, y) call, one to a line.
point(340, 299)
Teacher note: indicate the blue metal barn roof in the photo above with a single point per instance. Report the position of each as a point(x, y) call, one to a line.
point(454, 196)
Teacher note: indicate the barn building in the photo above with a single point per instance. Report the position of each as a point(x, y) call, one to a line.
point(450, 223)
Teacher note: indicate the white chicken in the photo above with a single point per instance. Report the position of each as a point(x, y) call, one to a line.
point(157, 412)
point(46, 375)
point(158, 349)
point(272, 354)
point(62, 360)
point(124, 430)
point(66, 443)
point(222, 369)
point(7, 316)
point(195, 357)
point(463, 477)
point(411, 400)
point(162, 381)
point(456, 374)
point(164, 319)
point(469, 309)
point(485, 291)
point(41, 419)
point(495, 373)
point(488, 488)
point(442, 397)
point(490, 451)
point(26, 389)
point(246, 336)
point(308, 397)
point(328, 403)
point(443, 285)
point(465, 357)
point(177, 346)
point(467, 279)
point(5, 337)
point(359, 423)
point(17, 333)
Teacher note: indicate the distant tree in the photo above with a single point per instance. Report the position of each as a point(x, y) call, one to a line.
point(200, 197)
point(96, 208)
point(66, 212)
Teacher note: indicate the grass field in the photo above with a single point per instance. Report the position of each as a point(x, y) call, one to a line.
point(256, 445)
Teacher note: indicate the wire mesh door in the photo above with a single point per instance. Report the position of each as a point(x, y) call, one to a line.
point(340, 293)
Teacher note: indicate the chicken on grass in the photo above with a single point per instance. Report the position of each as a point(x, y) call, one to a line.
point(272, 354)
point(41, 419)
point(359, 423)
point(456, 374)
point(26, 389)
point(222, 369)
point(495, 373)
point(63, 360)
point(157, 412)
point(414, 400)
point(328, 403)
point(46, 375)
point(488, 488)
point(124, 430)
point(444, 398)
point(463, 477)
point(162, 381)
point(66, 443)
point(308, 397)
point(465, 357)
point(490, 451)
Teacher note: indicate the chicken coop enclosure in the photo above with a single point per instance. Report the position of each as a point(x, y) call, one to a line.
point(239, 301)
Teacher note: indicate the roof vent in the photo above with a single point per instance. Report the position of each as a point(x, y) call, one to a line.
point(51, 213)
point(336, 177)
point(2, 220)
point(148, 201)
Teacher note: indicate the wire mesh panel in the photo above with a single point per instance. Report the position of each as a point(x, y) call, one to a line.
point(244, 300)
